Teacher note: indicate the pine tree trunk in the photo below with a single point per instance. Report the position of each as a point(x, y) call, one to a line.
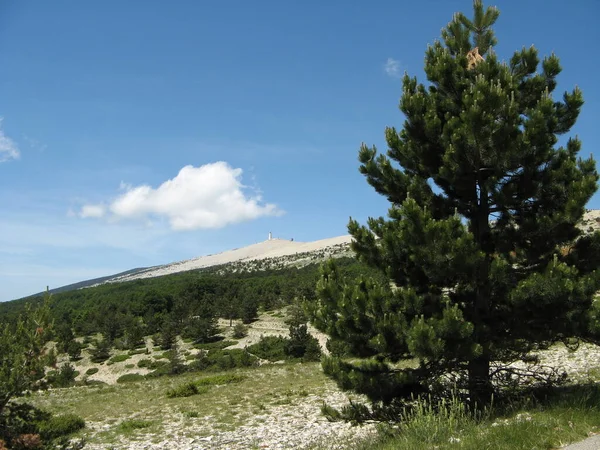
point(480, 386)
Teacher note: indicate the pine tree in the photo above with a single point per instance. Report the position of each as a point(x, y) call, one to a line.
point(481, 244)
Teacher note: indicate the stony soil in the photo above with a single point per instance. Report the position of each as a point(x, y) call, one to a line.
point(293, 426)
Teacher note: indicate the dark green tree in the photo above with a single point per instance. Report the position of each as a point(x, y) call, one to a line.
point(22, 353)
point(101, 351)
point(176, 363)
point(64, 336)
point(167, 337)
point(134, 333)
point(302, 344)
point(249, 309)
point(481, 247)
point(74, 350)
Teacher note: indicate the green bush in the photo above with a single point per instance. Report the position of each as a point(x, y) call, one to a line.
point(302, 344)
point(130, 377)
point(144, 363)
point(272, 348)
point(119, 358)
point(129, 366)
point(240, 330)
point(137, 352)
point(134, 424)
point(100, 352)
point(74, 350)
point(64, 377)
point(224, 360)
point(91, 371)
point(187, 390)
point(63, 425)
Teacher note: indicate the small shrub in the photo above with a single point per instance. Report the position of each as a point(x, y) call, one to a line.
point(64, 377)
point(63, 425)
point(130, 377)
point(91, 371)
point(129, 366)
point(74, 350)
point(119, 358)
point(302, 345)
point(187, 390)
point(100, 352)
point(137, 352)
point(272, 348)
point(176, 364)
point(134, 424)
point(144, 363)
point(191, 414)
point(240, 330)
point(224, 360)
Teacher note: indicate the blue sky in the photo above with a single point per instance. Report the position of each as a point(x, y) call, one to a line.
point(124, 121)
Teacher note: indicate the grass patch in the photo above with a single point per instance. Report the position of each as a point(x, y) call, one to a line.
point(202, 386)
point(91, 371)
point(566, 416)
point(226, 378)
point(230, 406)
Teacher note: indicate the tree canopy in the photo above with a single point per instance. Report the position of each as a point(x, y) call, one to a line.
point(481, 247)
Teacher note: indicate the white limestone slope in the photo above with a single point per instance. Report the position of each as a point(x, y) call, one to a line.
point(274, 248)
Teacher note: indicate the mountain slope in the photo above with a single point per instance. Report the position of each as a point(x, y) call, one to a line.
point(274, 251)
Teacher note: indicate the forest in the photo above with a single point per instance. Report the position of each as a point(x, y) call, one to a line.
point(179, 300)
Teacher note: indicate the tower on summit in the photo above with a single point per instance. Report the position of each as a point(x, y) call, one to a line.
point(270, 235)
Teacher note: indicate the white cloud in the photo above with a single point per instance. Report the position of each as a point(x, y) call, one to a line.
point(8, 148)
point(209, 196)
point(392, 67)
point(92, 211)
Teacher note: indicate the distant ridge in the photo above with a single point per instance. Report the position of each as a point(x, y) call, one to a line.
point(88, 283)
point(273, 249)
